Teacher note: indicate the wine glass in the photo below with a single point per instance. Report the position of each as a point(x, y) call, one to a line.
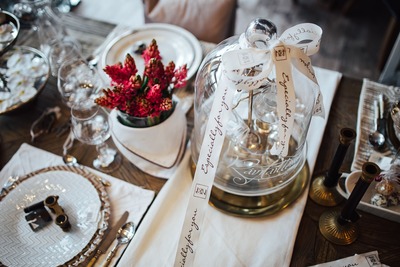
point(76, 80)
point(90, 126)
point(61, 51)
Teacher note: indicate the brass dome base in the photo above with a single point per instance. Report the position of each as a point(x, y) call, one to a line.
point(335, 232)
point(324, 196)
point(257, 206)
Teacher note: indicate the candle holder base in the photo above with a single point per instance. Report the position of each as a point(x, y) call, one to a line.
point(335, 232)
point(324, 196)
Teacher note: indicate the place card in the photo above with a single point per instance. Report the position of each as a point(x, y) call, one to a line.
point(369, 259)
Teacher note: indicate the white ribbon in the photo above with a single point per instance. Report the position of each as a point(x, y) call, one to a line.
point(290, 48)
point(205, 173)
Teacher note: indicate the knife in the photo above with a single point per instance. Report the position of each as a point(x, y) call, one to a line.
point(109, 237)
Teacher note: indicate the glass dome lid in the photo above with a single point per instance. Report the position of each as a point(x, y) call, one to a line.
point(267, 87)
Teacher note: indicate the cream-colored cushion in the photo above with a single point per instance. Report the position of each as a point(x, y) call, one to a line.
point(208, 20)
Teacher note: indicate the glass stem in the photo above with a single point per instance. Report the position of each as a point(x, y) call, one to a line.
point(105, 154)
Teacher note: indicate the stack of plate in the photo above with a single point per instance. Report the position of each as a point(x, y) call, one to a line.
point(175, 44)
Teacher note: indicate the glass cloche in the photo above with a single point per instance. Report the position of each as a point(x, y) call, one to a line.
point(262, 166)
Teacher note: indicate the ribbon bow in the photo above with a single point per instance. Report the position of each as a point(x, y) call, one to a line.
point(291, 49)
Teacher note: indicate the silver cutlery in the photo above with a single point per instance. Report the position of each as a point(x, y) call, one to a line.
point(109, 237)
point(376, 138)
point(124, 235)
point(381, 119)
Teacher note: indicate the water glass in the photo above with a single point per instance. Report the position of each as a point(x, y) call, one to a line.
point(77, 81)
point(90, 125)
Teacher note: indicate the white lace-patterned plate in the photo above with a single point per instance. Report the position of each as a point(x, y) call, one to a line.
point(175, 44)
point(83, 199)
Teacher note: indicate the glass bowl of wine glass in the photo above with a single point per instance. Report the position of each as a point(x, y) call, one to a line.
point(76, 80)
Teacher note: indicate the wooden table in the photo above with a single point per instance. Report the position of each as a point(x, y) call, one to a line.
point(310, 247)
point(375, 233)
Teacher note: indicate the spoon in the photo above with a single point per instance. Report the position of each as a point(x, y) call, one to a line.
point(124, 235)
point(70, 160)
point(376, 138)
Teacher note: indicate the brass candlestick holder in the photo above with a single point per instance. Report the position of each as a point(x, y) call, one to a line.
point(323, 189)
point(339, 226)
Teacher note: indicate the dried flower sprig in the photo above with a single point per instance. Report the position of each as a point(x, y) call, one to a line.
point(147, 95)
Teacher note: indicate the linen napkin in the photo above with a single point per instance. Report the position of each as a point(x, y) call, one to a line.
point(123, 196)
point(365, 123)
point(140, 150)
point(226, 240)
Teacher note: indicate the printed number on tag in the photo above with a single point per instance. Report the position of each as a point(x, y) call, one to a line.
point(280, 53)
point(200, 191)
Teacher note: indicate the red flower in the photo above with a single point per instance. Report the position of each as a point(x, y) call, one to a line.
point(154, 95)
point(147, 95)
point(120, 74)
point(151, 52)
point(180, 77)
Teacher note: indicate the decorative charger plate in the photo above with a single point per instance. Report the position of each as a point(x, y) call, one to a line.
point(175, 44)
point(24, 72)
point(83, 199)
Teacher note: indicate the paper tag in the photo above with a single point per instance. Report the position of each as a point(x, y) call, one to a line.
point(381, 160)
point(370, 259)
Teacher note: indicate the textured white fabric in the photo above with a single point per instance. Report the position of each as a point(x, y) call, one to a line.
point(226, 240)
